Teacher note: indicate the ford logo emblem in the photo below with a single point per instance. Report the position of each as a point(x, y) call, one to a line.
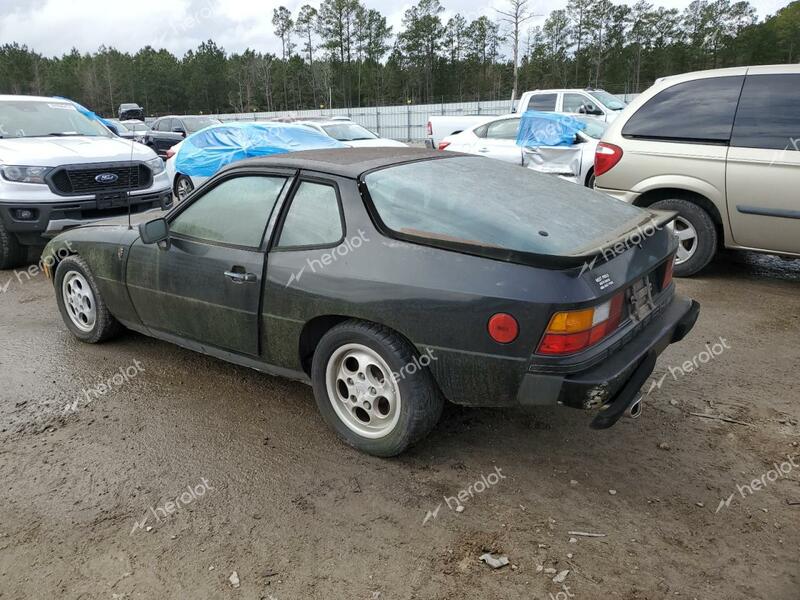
point(106, 178)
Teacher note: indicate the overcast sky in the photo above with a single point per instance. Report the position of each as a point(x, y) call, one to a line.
point(53, 27)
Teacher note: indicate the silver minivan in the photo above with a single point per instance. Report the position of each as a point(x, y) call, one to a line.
point(722, 149)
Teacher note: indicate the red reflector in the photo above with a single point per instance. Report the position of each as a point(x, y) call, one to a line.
point(443, 145)
point(503, 328)
point(668, 273)
point(606, 157)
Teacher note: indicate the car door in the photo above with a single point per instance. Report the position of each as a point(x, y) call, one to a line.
point(763, 166)
point(498, 140)
point(205, 285)
point(166, 137)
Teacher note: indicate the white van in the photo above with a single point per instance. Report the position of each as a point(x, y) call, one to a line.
point(60, 169)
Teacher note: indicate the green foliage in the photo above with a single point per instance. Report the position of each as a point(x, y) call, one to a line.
point(342, 53)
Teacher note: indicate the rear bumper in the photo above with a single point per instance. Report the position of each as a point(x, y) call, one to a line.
point(624, 195)
point(51, 218)
point(601, 384)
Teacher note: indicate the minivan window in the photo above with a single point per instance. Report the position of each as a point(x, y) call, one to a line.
point(698, 111)
point(768, 115)
point(544, 102)
point(494, 207)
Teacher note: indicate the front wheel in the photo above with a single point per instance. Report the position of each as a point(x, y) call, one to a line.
point(373, 388)
point(696, 233)
point(183, 187)
point(80, 303)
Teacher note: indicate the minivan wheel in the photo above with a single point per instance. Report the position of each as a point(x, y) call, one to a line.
point(696, 233)
point(80, 303)
point(373, 389)
point(12, 253)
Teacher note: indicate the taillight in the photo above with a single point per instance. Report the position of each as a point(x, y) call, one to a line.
point(430, 128)
point(668, 273)
point(443, 145)
point(574, 330)
point(503, 328)
point(606, 157)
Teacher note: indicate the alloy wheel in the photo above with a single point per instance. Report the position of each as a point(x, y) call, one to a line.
point(79, 301)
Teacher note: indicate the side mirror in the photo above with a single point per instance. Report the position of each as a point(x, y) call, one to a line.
point(154, 232)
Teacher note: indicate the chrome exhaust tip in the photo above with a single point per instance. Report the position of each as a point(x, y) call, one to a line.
point(634, 410)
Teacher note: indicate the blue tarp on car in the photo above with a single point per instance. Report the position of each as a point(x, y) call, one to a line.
point(205, 152)
point(547, 129)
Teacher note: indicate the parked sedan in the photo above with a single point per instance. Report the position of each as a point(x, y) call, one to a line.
point(391, 279)
point(496, 137)
point(168, 131)
point(343, 130)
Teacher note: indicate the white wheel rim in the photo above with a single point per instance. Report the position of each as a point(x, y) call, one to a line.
point(184, 188)
point(79, 301)
point(362, 391)
point(687, 239)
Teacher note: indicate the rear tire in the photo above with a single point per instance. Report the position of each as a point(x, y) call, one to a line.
point(373, 389)
point(12, 253)
point(80, 303)
point(696, 232)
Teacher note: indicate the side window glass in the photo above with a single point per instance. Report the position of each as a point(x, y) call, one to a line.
point(573, 102)
point(481, 131)
point(699, 111)
point(543, 102)
point(313, 218)
point(234, 212)
point(503, 130)
point(768, 115)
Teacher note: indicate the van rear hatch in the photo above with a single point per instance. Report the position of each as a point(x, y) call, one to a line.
point(497, 210)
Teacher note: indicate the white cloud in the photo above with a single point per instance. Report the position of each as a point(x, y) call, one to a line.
point(53, 27)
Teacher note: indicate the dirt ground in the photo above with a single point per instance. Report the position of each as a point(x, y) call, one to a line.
point(95, 500)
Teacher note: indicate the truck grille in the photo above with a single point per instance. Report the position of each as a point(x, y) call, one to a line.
point(97, 179)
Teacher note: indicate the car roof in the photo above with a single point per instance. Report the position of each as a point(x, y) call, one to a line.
point(345, 162)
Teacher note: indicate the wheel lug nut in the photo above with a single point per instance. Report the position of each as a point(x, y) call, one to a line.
point(367, 406)
point(352, 398)
point(350, 380)
point(372, 391)
point(361, 376)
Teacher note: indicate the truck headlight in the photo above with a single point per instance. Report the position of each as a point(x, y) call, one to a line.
point(24, 174)
point(156, 165)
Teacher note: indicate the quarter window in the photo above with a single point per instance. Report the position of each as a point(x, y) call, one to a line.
point(768, 116)
point(234, 212)
point(313, 218)
point(698, 111)
point(544, 102)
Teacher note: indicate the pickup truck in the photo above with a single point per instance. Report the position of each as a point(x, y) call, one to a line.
point(59, 169)
point(596, 103)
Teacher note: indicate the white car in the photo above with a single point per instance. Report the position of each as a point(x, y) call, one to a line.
point(596, 103)
point(496, 137)
point(343, 130)
point(60, 169)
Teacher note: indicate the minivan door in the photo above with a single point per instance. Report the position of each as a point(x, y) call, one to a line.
point(763, 166)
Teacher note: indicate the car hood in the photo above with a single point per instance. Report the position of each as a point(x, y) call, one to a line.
point(375, 143)
point(57, 151)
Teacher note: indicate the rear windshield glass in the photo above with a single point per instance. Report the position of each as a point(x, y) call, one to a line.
point(490, 204)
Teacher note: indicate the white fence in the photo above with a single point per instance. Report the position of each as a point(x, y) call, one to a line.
point(403, 122)
point(407, 123)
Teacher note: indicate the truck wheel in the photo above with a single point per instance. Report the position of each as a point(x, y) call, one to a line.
point(373, 389)
point(12, 253)
point(696, 233)
point(82, 307)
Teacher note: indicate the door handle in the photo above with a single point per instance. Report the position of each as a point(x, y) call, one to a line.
point(241, 276)
point(483, 150)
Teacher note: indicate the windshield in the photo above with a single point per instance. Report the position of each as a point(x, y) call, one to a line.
point(348, 132)
point(28, 118)
point(197, 123)
point(608, 100)
point(594, 127)
point(493, 205)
